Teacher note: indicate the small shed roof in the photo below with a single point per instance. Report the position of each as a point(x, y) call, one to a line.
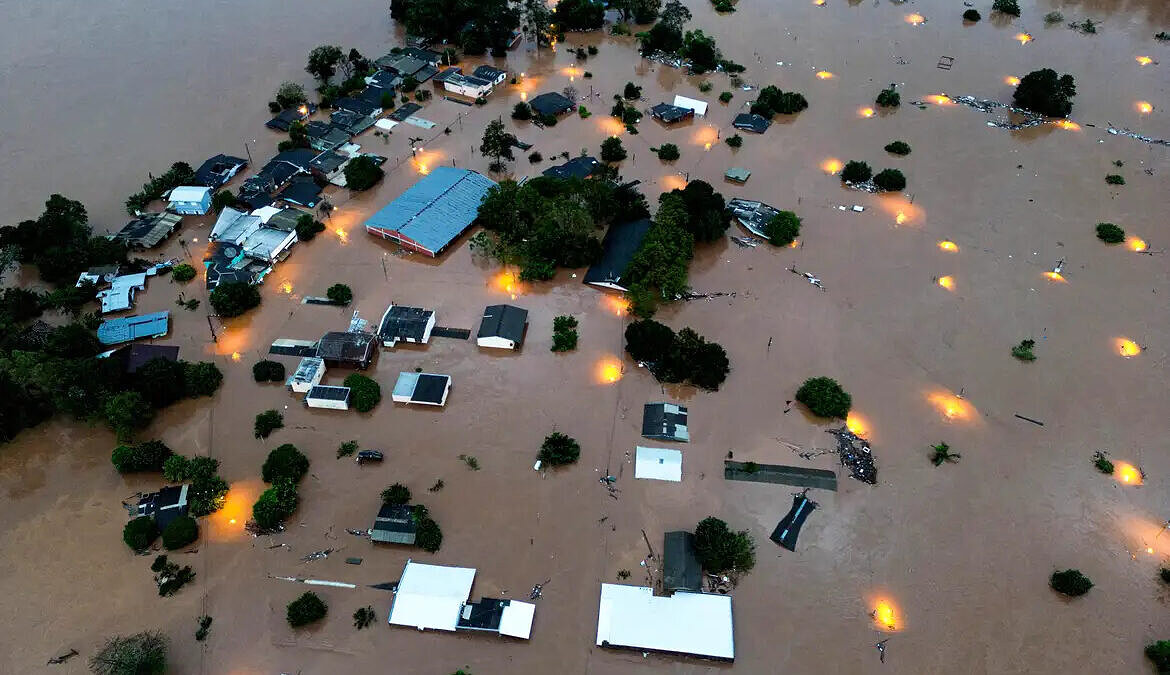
point(700, 107)
point(578, 167)
point(751, 122)
point(681, 570)
point(404, 323)
point(684, 623)
point(431, 596)
point(189, 193)
point(218, 170)
point(505, 321)
point(149, 229)
point(323, 392)
point(738, 175)
point(670, 113)
point(308, 370)
point(356, 348)
point(395, 524)
point(422, 387)
point(435, 210)
point(658, 464)
point(489, 73)
point(447, 74)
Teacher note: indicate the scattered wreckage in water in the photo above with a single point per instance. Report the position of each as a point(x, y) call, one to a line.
point(855, 453)
point(752, 215)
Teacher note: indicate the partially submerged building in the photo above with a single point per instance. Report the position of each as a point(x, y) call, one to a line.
point(394, 524)
point(698, 624)
point(737, 175)
point(225, 262)
point(129, 328)
point(254, 239)
point(325, 396)
point(165, 505)
point(752, 122)
point(681, 570)
point(502, 327)
point(351, 349)
point(421, 388)
point(578, 167)
point(190, 200)
point(148, 230)
point(132, 357)
point(658, 464)
point(119, 297)
point(307, 375)
point(665, 422)
point(406, 324)
point(493, 75)
point(436, 597)
point(551, 103)
point(218, 170)
point(286, 117)
point(752, 215)
point(468, 85)
point(433, 212)
point(617, 250)
point(324, 136)
point(669, 114)
point(693, 104)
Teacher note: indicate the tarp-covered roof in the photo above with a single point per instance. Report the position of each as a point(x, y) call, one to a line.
point(435, 210)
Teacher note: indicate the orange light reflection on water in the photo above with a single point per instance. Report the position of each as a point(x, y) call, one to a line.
point(1144, 60)
point(1144, 107)
point(885, 615)
point(824, 75)
point(1012, 80)
point(857, 424)
point(1127, 347)
point(673, 182)
point(866, 112)
point(1068, 125)
point(951, 406)
point(508, 282)
point(948, 246)
point(1023, 38)
point(609, 370)
point(915, 19)
point(1135, 243)
point(1055, 276)
point(228, 522)
point(947, 282)
point(616, 304)
point(832, 166)
point(1126, 473)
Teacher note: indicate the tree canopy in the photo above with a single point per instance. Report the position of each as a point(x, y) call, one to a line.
point(180, 532)
point(782, 229)
point(323, 62)
point(364, 393)
point(824, 397)
point(59, 243)
point(1045, 92)
point(696, 208)
point(559, 449)
point(890, 180)
point(682, 357)
point(285, 462)
point(774, 101)
point(233, 298)
point(306, 609)
point(397, 494)
point(362, 173)
point(475, 25)
point(140, 533)
point(339, 294)
point(579, 15)
point(146, 456)
point(719, 549)
point(275, 504)
point(139, 654)
point(497, 144)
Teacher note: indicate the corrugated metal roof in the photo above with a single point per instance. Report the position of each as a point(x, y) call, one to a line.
point(127, 328)
point(435, 210)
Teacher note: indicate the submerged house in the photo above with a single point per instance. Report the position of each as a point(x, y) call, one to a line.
point(129, 328)
point(433, 212)
point(307, 375)
point(493, 75)
point(190, 200)
point(324, 136)
point(665, 422)
point(406, 324)
point(468, 85)
point(753, 216)
point(132, 357)
point(551, 103)
point(148, 230)
point(618, 247)
point(120, 295)
point(699, 624)
point(681, 570)
point(165, 505)
point(352, 349)
point(502, 327)
point(286, 117)
point(226, 262)
point(658, 464)
point(218, 170)
point(698, 107)
point(751, 122)
point(422, 388)
point(254, 239)
point(325, 396)
point(578, 167)
point(669, 114)
point(394, 524)
point(435, 597)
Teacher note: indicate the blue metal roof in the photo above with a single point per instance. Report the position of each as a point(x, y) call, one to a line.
point(127, 328)
point(435, 210)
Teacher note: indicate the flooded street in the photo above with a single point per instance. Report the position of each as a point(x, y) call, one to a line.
point(98, 96)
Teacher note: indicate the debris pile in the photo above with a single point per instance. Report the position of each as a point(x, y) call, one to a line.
point(1131, 134)
point(855, 453)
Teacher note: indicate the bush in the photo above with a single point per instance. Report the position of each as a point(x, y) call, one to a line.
point(233, 298)
point(900, 148)
point(824, 397)
point(856, 172)
point(427, 534)
point(267, 422)
point(1103, 465)
point(396, 494)
point(364, 393)
point(564, 334)
point(521, 111)
point(362, 173)
point(685, 357)
point(972, 15)
point(180, 532)
point(176, 468)
point(706, 87)
point(612, 150)
point(1159, 653)
point(1070, 582)
point(204, 628)
point(668, 152)
point(306, 609)
point(1044, 92)
point(773, 101)
point(1053, 18)
point(201, 379)
point(273, 107)
point(308, 227)
point(268, 371)
point(648, 341)
point(548, 119)
point(725, 97)
point(1006, 7)
point(285, 463)
point(535, 158)
point(364, 617)
point(346, 449)
point(888, 98)
point(275, 504)
point(1110, 233)
point(583, 112)
point(719, 549)
point(890, 180)
point(559, 449)
point(140, 654)
point(140, 533)
point(183, 273)
point(632, 92)
point(1114, 179)
point(734, 141)
point(146, 456)
point(126, 412)
point(1023, 351)
point(782, 229)
point(339, 294)
point(290, 94)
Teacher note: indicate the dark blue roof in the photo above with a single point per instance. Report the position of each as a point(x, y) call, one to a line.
point(436, 209)
point(618, 248)
point(302, 190)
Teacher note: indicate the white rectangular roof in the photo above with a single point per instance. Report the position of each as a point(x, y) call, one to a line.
point(188, 193)
point(431, 596)
point(658, 464)
point(684, 623)
point(516, 620)
point(700, 107)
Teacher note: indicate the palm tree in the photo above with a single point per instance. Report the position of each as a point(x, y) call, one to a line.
point(942, 453)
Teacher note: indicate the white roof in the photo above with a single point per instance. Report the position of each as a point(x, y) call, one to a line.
point(120, 294)
point(658, 464)
point(386, 124)
point(431, 596)
point(684, 623)
point(234, 226)
point(265, 213)
point(267, 242)
point(700, 107)
point(188, 193)
point(516, 621)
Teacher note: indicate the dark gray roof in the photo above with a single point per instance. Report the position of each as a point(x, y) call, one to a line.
point(488, 73)
point(328, 393)
point(286, 117)
point(350, 122)
point(349, 348)
point(218, 170)
point(448, 73)
point(149, 229)
point(327, 162)
point(506, 321)
point(402, 323)
point(373, 95)
point(285, 220)
point(618, 248)
point(551, 103)
point(165, 505)
point(406, 110)
point(430, 388)
point(355, 105)
point(394, 524)
point(424, 55)
point(483, 615)
point(135, 356)
point(302, 190)
point(671, 113)
point(665, 421)
point(749, 122)
point(224, 263)
point(681, 570)
point(385, 79)
point(578, 167)
point(297, 157)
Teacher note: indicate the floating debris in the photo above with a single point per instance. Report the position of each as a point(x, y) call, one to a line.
point(747, 242)
point(855, 453)
point(318, 555)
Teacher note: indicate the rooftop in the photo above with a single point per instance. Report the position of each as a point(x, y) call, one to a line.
point(149, 229)
point(658, 464)
point(489, 73)
point(303, 191)
point(136, 355)
point(431, 596)
point(681, 570)
point(578, 167)
point(504, 321)
point(354, 348)
point(700, 107)
point(234, 226)
point(434, 211)
point(621, 242)
point(670, 113)
point(751, 122)
point(326, 392)
point(426, 388)
point(394, 524)
point(189, 193)
point(665, 421)
point(684, 623)
point(404, 323)
point(752, 215)
point(551, 103)
point(218, 170)
point(127, 328)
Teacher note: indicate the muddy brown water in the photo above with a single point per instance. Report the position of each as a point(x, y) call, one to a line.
point(97, 96)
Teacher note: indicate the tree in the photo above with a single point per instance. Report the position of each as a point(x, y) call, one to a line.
point(824, 397)
point(339, 294)
point(559, 449)
point(161, 382)
point(176, 468)
point(427, 534)
point(1010, 7)
point(1070, 582)
point(1110, 233)
point(140, 533)
point(579, 15)
point(537, 18)
point(267, 422)
point(659, 266)
point(674, 14)
point(697, 208)
point(972, 15)
point(648, 341)
point(719, 549)
point(888, 98)
point(308, 227)
point(364, 617)
point(497, 144)
point(612, 150)
point(638, 11)
point(632, 92)
point(774, 101)
point(285, 462)
point(202, 379)
point(693, 359)
point(900, 148)
point(146, 456)
point(306, 609)
point(856, 172)
point(396, 494)
point(522, 111)
point(1044, 92)
point(180, 532)
point(662, 37)
point(890, 180)
point(275, 504)
point(734, 141)
point(362, 173)
point(1159, 653)
point(323, 62)
point(700, 49)
point(941, 453)
point(564, 333)
point(364, 392)
point(782, 228)
point(233, 298)
point(290, 94)
point(668, 152)
point(1115, 179)
point(18, 305)
point(268, 371)
point(139, 654)
point(127, 412)
point(184, 272)
point(1023, 351)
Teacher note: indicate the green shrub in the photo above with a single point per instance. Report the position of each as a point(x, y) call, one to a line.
point(725, 97)
point(204, 628)
point(267, 422)
point(548, 119)
point(940, 453)
point(1053, 18)
point(139, 654)
point(1164, 574)
point(306, 609)
point(285, 462)
point(782, 229)
point(183, 273)
point(705, 87)
point(1070, 582)
point(521, 111)
point(971, 15)
point(559, 449)
point(396, 494)
point(1110, 233)
point(233, 298)
point(275, 504)
point(146, 456)
point(1045, 92)
point(856, 172)
point(362, 173)
point(180, 532)
point(632, 92)
point(140, 533)
point(890, 180)
point(583, 112)
point(535, 158)
point(364, 617)
point(564, 334)
point(268, 371)
point(825, 397)
point(889, 98)
point(612, 150)
point(1102, 464)
point(668, 152)
point(428, 535)
point(772, 101)
point(719, 549)
point(734, 141)
point(127, 412)
point(339, 294)
point(202, 378)
point(364, 393)
point(1115, 179)
point(1159, 654)
point(308, 227)
point(1006, 7)
point(1023, 351)
point(346, 449)
point(900, 148)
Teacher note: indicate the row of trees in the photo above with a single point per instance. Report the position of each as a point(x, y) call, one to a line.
point(682, 357)
point(886, 180)
point(60, 242)
point(284, 467)
point(180, 173)
point(700, 49)
point(475, 25)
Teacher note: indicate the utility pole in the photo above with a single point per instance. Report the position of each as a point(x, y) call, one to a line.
point(249, 151)
point(212, 329)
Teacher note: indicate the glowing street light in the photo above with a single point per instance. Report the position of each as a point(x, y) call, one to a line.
point(1023, 38)
point(824, 75)
point(1144, 107)
point(947, 282)
point(832, 166)
point(1012, 80)
point(1135, 243)
point(948, 246)
point(915, 19)
point(884, 615)
point(1127, 474)
point(866, 112)
point(1127, 347)
point(1144, 60)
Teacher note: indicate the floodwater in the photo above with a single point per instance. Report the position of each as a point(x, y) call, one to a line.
point(97, 96)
